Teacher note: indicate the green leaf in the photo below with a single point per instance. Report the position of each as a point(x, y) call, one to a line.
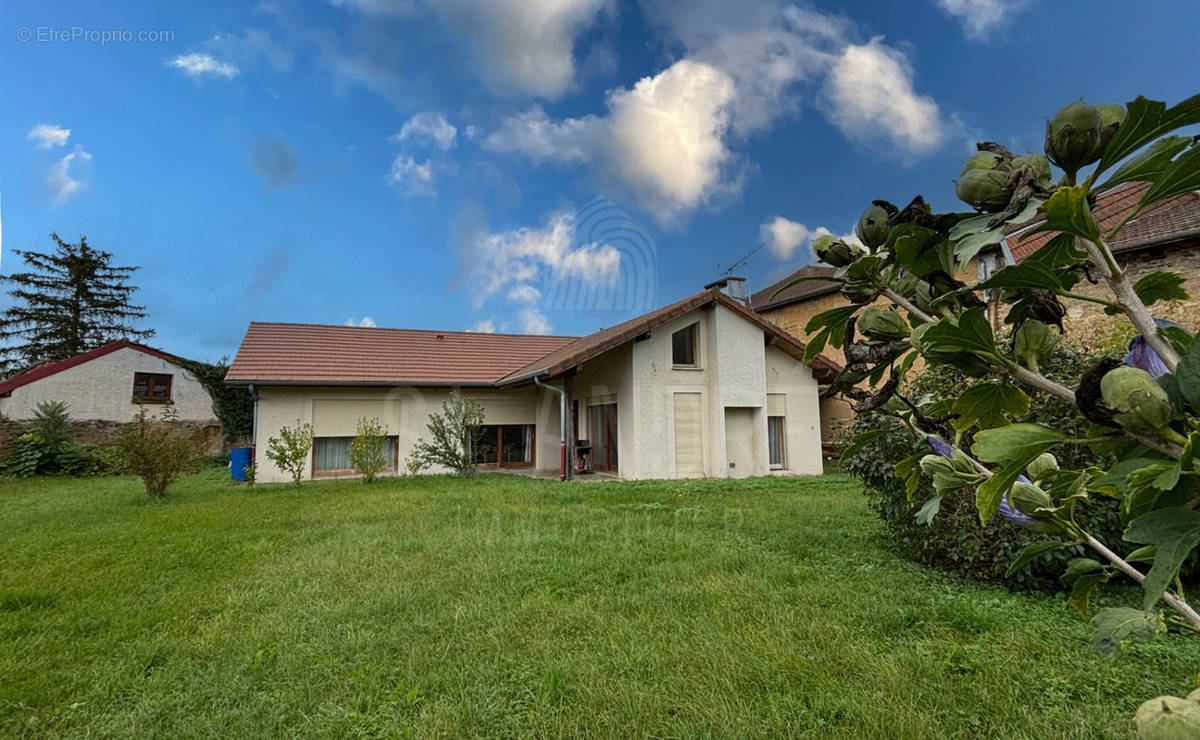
point(1078, 566)
point(1014, 442)
point(1068, 211)
point(1175, 531)
point(1144, 554)
point(1081, 591)
point(927, 512)
point(1057, 253)
point(1187, 375)
point(1028, 274)
point(816, 344)
point(920, 250)
point(972, 334)
point(989, 405)
point(831, 318)
point(965, 250)
point(860, 441)
point(1180, 176)
point(1033, 552)
point(1161, 286)
point(1151, 163)
point(1145, 121)
point(1118, 623)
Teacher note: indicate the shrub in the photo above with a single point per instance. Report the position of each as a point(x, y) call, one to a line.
point(291, 448)
point(158, 450)
point(45, 446)
point(368, 450)
point(954, 540)
point(455, 434)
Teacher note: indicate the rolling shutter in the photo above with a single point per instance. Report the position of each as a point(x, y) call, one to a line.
point(689, 436)
point(339, 418)
point(776, 404)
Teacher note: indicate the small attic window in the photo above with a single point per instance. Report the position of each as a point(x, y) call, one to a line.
point(683, 346)
point(151, 388)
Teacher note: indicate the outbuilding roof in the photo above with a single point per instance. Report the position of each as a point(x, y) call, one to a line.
point(313, 354)
point(773, 297)
point(46, 369)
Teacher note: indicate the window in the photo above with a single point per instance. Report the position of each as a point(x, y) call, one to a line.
point(775, 441)
point(331, 455)
point(683, 347)
point(151, 388)
point(505, 445)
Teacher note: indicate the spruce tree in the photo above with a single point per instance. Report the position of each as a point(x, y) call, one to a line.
point(68, 301)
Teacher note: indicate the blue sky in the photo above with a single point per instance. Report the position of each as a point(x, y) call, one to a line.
point(515, 165)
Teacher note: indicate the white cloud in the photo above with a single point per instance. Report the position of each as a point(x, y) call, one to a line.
point(60, 179)
point(668, 143)
point(199, 65)
point(521, 259)
point(414, 177)
point(48, 136)
point(430, 125)
point(871, 96)
point(782, 236)
point(662, 141)
point(981, 17)
point(365, 322)
point(525, 47)
point(534, 321)
point(484, 326)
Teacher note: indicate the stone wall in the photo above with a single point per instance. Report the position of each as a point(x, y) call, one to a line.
point(109, 432)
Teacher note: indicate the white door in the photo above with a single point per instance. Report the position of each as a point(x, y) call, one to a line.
point(689, 436)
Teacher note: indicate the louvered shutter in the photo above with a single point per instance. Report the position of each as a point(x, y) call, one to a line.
point(776, 404)
point(689, 436)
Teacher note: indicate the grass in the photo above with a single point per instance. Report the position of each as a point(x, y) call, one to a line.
point(513, 607)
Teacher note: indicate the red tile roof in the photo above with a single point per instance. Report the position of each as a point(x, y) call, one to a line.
point(318, 354)
point(1163, 222)
point(46, 369)
point(308, 354)
point(766, 299)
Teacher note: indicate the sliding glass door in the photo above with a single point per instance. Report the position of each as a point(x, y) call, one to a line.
point(602, 433)
point(506, 445)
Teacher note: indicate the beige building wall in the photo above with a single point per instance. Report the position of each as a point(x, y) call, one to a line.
point(102, 389)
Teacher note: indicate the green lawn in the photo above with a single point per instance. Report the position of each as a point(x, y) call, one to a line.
point(512, 607)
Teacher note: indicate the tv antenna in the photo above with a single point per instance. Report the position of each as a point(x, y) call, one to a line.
point(740, 263)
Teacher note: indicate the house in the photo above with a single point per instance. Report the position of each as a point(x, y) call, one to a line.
point(105, 388)
point(1163, 237)
point(109, 383)
point(703, 387)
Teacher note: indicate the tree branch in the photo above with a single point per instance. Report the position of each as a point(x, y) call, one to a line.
point(1127, 298)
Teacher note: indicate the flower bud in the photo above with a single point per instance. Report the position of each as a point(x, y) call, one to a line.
point(834, 251)
point(882, 325)
point(1033, 342)
point(985, 190)
point(1028, 498)
point(1042, 465)
point(1111, 118)
point(872, 228)
point(1041, 167)
point(1073, 136)
point(1140, 403)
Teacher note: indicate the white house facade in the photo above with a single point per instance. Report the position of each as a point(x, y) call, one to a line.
point(702, 388)
point(110, 383)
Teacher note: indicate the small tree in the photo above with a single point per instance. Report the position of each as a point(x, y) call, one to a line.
point(158, 450)
point(368, 450)
point(290, 449)
point(455, 434)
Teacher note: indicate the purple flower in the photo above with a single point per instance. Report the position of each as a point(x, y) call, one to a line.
point(1006, 510)
point(1142, 356)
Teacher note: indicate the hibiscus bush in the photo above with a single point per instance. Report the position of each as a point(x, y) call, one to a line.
point(1141, 411)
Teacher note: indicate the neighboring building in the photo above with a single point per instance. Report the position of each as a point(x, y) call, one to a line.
point(109, 384)
point(700, 388)
point(1164, 237)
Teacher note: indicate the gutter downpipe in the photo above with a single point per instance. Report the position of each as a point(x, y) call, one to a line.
point(254, 426)
point(562, 419)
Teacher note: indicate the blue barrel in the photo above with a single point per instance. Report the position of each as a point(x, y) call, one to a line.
point(240, 459)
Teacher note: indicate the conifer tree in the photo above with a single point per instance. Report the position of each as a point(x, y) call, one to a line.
point(68, 301)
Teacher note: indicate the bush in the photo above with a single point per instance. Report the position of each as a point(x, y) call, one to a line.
point(455, 434)
point(368, 449)
point(291, 448)
point(954, 540)
point(45, 446)
point(158, 450)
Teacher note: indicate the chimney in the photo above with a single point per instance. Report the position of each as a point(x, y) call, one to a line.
point(734, 287)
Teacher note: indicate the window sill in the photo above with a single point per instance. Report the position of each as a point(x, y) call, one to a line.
point(151, 400)
point(686, 367)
